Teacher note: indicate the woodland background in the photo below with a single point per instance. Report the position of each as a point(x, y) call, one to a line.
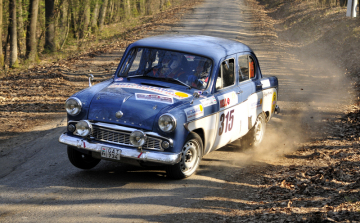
point(32, 27)
point(31, 30)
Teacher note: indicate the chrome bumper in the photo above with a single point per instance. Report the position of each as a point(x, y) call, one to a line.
point(132, 153)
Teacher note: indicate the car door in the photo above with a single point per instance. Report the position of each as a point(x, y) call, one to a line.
point(227, 99)
point(251, 91)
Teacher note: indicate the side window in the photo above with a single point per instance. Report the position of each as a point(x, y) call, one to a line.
point(136, 63)
point(246, 68)
point(226, 76)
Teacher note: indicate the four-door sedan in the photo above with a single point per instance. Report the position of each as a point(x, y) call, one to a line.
point(172, 100)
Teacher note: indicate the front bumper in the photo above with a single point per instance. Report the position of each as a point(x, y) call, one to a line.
point(132, 153)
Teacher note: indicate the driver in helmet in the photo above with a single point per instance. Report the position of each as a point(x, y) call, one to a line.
point(200, 77)
point(172, 66)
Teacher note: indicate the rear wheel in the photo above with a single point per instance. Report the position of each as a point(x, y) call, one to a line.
point(81, 160)
point(190, 158)
point(256, 134)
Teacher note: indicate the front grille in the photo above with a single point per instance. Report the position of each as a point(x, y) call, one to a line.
point(122, 138)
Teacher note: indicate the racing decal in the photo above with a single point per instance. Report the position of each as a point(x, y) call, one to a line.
point(194, 112)
point(119, 79)
point(274, 99)
point(170, 92)
point(226, 122)
point(208, 101)
point(227, 100)
point(256, 104)
point(267, 93)
point(265, 83)
point(154, 97)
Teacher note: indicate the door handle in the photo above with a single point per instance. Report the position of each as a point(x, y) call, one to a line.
point(259, 85)
point(239, 92)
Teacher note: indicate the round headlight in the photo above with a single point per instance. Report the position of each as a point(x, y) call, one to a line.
point(73, 106)
point(167, 123)
point(83, 128)
point(137, 138)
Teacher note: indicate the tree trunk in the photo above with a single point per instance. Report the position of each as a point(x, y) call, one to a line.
point(85, 19)
point(127, 9)
point(31, 45)
point(147, 7)
point(161, 5)
point(13, 33)
point(142, 7)
point(74, 18)
point(95, 15)
point(102, 15)
point(1, 49)
point(49, 26)
point(20, 28)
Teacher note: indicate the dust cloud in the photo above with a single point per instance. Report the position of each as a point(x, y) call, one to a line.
point(313, 91)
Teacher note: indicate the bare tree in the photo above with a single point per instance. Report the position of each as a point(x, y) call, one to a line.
point(1, 50)
point(102, 14)
point(127, 8)
point(95, 15)
point(20, 28)
point(49, 26)
point(85, 19)
point(13, 33)
point(31, 45)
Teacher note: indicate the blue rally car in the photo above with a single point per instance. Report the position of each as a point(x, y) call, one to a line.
point(172, 100)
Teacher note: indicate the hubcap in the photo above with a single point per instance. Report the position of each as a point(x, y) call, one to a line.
point(190, 157)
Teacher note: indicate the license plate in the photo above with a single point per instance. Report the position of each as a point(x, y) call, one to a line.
point(110, 153)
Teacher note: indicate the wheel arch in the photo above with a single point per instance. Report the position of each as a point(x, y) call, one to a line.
point(201, 133)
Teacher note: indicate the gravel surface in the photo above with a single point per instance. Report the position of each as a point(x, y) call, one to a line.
point(305, 171)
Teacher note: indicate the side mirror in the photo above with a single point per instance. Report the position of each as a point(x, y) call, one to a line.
point(91, 78)
point(195, 96)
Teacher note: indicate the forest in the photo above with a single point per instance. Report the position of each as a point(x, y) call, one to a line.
point(30, 27)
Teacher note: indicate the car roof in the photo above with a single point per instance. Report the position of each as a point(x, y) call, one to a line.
point(213, 47)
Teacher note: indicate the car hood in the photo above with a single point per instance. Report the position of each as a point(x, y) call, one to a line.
point(139, 104)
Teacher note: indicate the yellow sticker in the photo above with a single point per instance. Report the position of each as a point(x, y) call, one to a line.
point(201, 108)
point(181, 94)
point(273, 103)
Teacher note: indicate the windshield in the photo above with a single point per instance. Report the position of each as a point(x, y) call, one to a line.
point(190, 69)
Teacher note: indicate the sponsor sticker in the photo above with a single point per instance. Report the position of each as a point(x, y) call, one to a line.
point(169, 92)
point(154, 97)
point(265, 83)
point(208, 101)
point(119, 79)
point(227, 100)
point(194, 112)
point(267, 93)
point(257, 104)
point(274, 99)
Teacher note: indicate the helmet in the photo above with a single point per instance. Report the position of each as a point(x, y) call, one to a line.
point(171, 60)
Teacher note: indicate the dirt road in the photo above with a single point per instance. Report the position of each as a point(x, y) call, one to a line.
point(38, 183)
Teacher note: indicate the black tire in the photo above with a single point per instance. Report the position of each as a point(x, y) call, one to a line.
point(256, 134)
point(81, 160)
point(190, 158)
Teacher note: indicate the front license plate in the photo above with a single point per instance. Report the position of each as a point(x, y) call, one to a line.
point(110, 153)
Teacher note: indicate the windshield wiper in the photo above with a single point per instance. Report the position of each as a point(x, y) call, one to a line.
point(162, 78)
point(174, 80)
point(179, 81)
point(128, 77)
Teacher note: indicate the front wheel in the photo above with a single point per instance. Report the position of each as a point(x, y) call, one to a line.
point(256, 134)
point(81, 160)
point(190, 158)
